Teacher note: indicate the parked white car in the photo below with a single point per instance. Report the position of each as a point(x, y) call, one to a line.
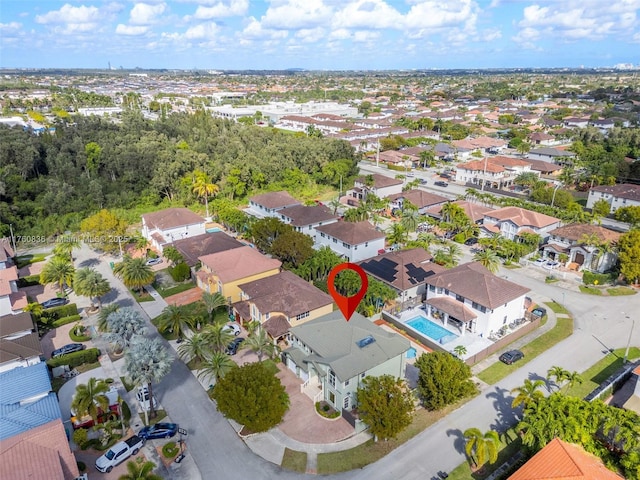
point(232, 327)
point(143, 398)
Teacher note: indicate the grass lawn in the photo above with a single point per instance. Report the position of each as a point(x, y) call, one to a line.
point(85, 367)
point(557, 308)
point(499, 370)
point(600, 371)
point(371, 451)
point(296, 461)
point(510, 444)
point(144, 297)
point(167, 292)
point(617, 291)
point(24, 260)
point(590, 290)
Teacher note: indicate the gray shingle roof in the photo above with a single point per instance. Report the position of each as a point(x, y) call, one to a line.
point(280, 199)
point(333, 340)
point(353, 233)
point(301, 215)
point(171, 218)
point(200, 245)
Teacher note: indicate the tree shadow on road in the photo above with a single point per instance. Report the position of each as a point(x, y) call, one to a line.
point(505, 414)
point(459, 441)
point(89, 262)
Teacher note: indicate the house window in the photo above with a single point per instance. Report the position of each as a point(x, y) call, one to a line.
point(346, 402)
point(335, 240)
point(267, 315)
point(346, 383)
point(439, 290)
point(322, 235)
point(302, 315)
point(346, 245)
point(446, 291)
point(362, 375)
point(366, 244)
point(432, 288)
point(332, 398)
point(459, 298)
point(504, 320)
point(332, 378)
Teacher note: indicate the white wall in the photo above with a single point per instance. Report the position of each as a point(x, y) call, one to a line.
point(353, 253)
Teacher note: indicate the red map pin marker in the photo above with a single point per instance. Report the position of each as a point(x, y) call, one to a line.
point(347, 305)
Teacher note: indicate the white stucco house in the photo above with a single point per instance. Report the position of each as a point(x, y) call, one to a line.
point(19, 342)
point(270, 204)
point(511, 222)
point(166, 226)
point(381, 186)
point(306, 219)
point(354, 241)
point(622, 195)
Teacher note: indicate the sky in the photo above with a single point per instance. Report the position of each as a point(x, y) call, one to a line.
point(318, 34)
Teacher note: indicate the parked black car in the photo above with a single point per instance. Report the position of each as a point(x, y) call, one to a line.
point(511, 356)
point(440, 183)
point(159, 430)
point(69, 348)
point(471, 241)
point(232, 348)
point(55, 302)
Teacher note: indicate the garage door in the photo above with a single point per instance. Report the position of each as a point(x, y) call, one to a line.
point(291, 364)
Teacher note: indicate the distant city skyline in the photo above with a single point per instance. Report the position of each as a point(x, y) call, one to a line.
point(319, 34)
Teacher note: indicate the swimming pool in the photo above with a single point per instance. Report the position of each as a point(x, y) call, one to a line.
point(431, 330)
point(411, 353)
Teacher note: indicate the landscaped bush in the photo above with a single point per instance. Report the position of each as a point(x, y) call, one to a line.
point(80, 438)
point(29, 281)
point(326, 410)
point(590, 278)
point(170, 450)
point(76, 358)
point(180, 272)
point(459, 237)
point(77, 333)
point(81, 466)
point(66, 320)
point(62, 311)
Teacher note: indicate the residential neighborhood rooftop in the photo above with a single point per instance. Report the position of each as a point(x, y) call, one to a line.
point(239, 263)
point(379, 181)
point(621, 190)
point(171, 218)
point(522, 217)
point(353, 233)
point(272, 200)
point(577, 232)
point(301, 215)
point(192, 248)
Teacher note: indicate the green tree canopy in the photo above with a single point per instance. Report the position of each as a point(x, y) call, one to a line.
point(134, 272)
point(58, 270)
point(252, 396)
point(443, 379)
point(628, 254)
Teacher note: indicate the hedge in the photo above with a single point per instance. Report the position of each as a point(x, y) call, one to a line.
point(66, 320)
point(75, 359)
point(180, 272)
point(76, 334)
point(29, 281)
point(590, 278)
point(62, 311)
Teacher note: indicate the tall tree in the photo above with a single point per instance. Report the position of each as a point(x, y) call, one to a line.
point(123, 325)
point(386, 405)
point(213, 302)
point(90, 398)
point(195, 347)
point(104, 230)
point(481, 447)
point(58, 270)
point(140, 469)
point(146, 362)
point(216, 366)
point(260, 343)
point(443, 379)
point(134, 272)
point(628, 253)
point(103, 324)
point(203, 187)
point(558, 374)
point(528, 393)
point(90, 283)
point(488, 259)
point(218, 336)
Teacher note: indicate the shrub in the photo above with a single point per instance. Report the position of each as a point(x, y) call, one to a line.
point(180, 272)
point(326, 411)
point(590, 278)
point(126, 412)
point(77, 334)
point(81, 466)
point(170, 450)
point(459, 237)
point(65, 320)
point(80, 438)
point(62, 311)
point(29, 281)
point(76, 358)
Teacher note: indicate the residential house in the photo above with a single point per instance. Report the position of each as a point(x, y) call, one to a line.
point(225, 271)
point(353, 240)
point(281, 301)
point(633, 402)
point(562, 460)
point(495, 172)
point(19, 342)
point(166, 226)
point(12, 301)
point(474, 211)
point(379, 185)
point(419, 198)
point(576, 122)
point(40, 452)
point(541, 138)
point(511, 222)
point(574, 241)
point(620, 195)
point(269, 204)
point(200, 245)
point(333, 356)
point(544, 168)
point(474, 300)
point(553, 155)
point(406, 271)
point(305, 219)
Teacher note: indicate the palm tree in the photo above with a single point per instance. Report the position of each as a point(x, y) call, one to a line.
point(35, 309)
point(90, 283)
point(410, 219)
point(103, 324)
point(488, 259)
point(57, 270)
point(90, 399)
point(139, 469)
point(196, 346)
point(528, 393)
point(134, 272)
point(572, 378)
point(213, 302)
point(335, 204)
point(217, 336)
point(460, 350)
point(482, 446)
point(203, 187)
point(396, 234)
point(216, 366)
point(64, 247)
point(175, 319)
point(260, 343)
point(558, 374)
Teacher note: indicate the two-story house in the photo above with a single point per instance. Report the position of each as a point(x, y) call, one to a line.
point(224, 272)
point(418, 198)
point(270, 204)
point(19, 342)
point(12, 301)
point(194, 247)
point(553, 155)
point(376, 184)
point(510, 222)
point(588, 247)
point(621, 195)
point(333, 356)
point(305, 219)
point(280, 302)
point(473, 300)
point(495, 172)
point(354, 241)
point(166, 226)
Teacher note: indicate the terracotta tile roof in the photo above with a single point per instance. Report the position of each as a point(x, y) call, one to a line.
point(403, 269)
point(193, 247)
point(286, 293)
point(171, 218)
point(243, 308)
point(623, 190)
point(239, 263)
point(6, 252)
point(575, 232)
point(271, 200)
point(480, 166)
point(542, 166)
point(18, 301)
point(522, 217)
point(476, 283)
point(42, 452)
point(379, 181)
point(560, 460)
point(353, 233)
point(508, 161)
point(301, 215)
point(277, 326)
point(453, 307)
point(474, 211)
point(420, 198)
point(7, 275)
point(10, 324)
point(27, 346)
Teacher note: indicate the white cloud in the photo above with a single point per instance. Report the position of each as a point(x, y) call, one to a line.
point(222, 9)
point(10, 28)
point(431, 15)
point(204, 31)
point(310, 35)
point(145, 14)
point(365, 36)
point(340, 34)
point(255, 31)
point(70, 15)
point(296, 14)
point(131, 30)
point(370, 14)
